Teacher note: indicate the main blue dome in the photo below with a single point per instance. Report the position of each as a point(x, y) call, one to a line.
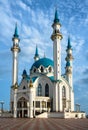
point(44, 62)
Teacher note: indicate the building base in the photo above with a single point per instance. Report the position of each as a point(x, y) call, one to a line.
point(62, 115)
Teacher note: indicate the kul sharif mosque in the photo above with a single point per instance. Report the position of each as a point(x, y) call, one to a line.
point(45, 92)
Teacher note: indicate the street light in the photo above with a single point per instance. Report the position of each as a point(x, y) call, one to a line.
point(77, 107)
point(2, 102)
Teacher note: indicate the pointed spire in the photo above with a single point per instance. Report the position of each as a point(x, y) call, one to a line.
point(15, 86)
point(56, 19)
point(16, 31)
point(36, 57)
point(24, 72)
point(69, 44)
point(31, 84)
point(36, 52)
point(24, 75)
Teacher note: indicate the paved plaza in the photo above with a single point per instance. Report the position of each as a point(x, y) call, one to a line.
point(43, 124)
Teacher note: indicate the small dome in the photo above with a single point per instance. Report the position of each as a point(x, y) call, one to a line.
point(44, 62)
point(24, 74)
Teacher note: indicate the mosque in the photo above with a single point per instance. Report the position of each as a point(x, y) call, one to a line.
point(44, 92)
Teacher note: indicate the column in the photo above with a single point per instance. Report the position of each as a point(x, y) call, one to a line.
point(28, 108)
point(55, 97)
point(34, 108)
point(60, 99)
point(15, 103)
point(40, 106)
point(46, 106)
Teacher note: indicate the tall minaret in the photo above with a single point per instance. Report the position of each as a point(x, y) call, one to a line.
point(69, 73)
point(15, 50)
point(36, 57)
point(69, 59)
point(56, 37)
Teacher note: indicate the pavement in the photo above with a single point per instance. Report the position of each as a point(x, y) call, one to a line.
point(43, 124)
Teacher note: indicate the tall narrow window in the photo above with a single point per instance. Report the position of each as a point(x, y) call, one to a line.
point(39, 90)
point(42, 69)
point(24, 87)
point(63, 92)
point(50, 69)
point(47, 90)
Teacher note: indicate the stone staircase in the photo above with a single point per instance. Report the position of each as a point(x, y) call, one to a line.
point(51, 115)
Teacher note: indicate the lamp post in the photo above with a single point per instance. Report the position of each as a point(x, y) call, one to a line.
point(77, 107)
point(2, 102)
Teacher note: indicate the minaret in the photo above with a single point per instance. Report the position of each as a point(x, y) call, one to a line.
point(15, 50)
point(69, 73)
point(36, 57)
point(56, 37)
point(69, 59)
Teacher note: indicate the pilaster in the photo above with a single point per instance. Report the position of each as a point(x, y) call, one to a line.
point(15, 103)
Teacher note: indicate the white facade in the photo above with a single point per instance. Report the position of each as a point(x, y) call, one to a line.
point(44, 89)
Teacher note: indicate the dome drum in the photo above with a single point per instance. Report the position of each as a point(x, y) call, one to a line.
point(43, 65)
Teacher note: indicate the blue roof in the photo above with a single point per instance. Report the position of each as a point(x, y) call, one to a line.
point(33, 78)
point(24, 72)
point(16, 31)
point(67, 64)
point(56, 19)
point(36, 52)
point(69, 44)
point(53, 80)
point(44, 62)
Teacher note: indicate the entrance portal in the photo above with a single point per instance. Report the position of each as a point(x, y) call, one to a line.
point(22, 108)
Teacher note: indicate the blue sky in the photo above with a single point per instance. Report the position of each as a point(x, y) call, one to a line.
point(34, 19)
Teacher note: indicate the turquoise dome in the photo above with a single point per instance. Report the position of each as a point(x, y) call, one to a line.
point(44, 62)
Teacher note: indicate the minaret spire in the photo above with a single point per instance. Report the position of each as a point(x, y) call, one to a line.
point(36, 57)
point(56, 19)
point(15, 50)
point(16, 31)
point(69, 44)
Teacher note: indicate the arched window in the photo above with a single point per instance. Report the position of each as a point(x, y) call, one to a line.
point(24, 87)
point(63, 92)
point(39, 90)
point(22, 103)
point(47, 90)
point(50, 69)
point(34, 70)
point(42, 69)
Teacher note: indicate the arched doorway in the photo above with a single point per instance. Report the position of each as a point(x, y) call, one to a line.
point(22, 108)
point(63, 98)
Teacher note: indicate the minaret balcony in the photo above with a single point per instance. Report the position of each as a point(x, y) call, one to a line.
point(15, 48)
point(56, 35)
point(68, 71)
point(69, 57)
point(55, 24)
